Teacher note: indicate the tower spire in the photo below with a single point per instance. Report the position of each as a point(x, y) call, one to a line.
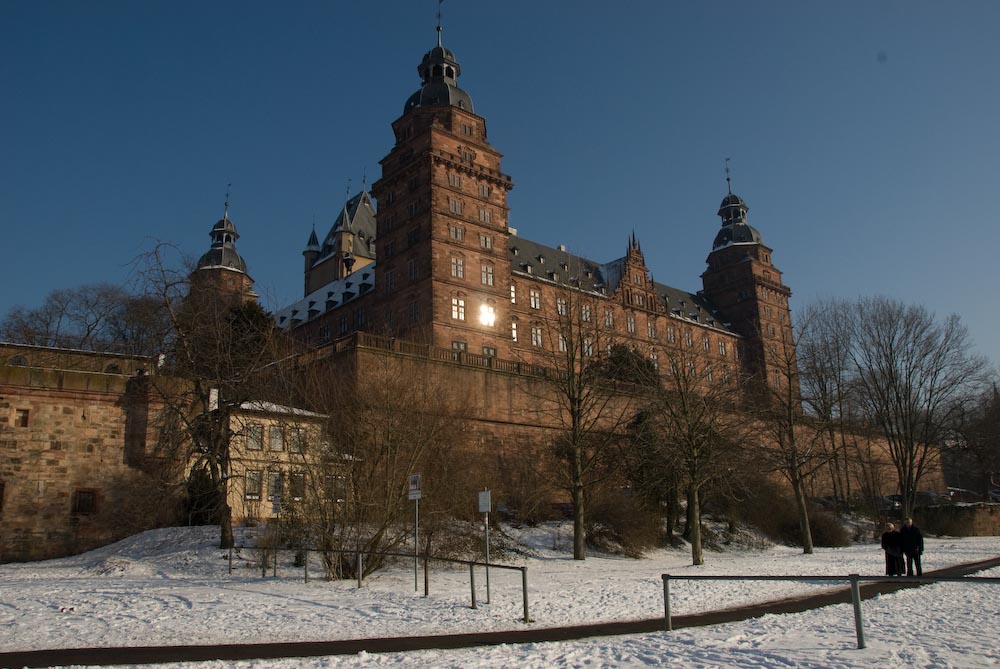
point(440, 2)
point(729, 182)
point(225, 213)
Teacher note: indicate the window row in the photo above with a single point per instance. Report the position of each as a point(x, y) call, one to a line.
point(255, 480)
point(277, 438)
point(487, 311)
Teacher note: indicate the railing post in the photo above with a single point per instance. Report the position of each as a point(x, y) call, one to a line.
point(472, 582)
point(859, 623)
point(361, 568)
point(667, 620)
point(427, 576)
point(305, 564)
point(524, 592)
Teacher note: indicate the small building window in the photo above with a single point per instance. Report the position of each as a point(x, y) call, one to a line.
point(458, 268)
point(487, 275)
point(561, 306)
point(535, 298)
point(21, 417)
point(630, 323)
point(489, 351)
point(513, 331)
point(484, 190)
point(455, 180)
point(277, 439)
point(486, 241)
point(275, 484)
point(458, 308)
point(255, 437)
point(457, 233)
point(454, 206)
point(251, 485)
point(485, 216)
point(18, 361)
point(112, 369)
point(513, 294)
point(296, 440)
point(297, 485)
point(85, 501)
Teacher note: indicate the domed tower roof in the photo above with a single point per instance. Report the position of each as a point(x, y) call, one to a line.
point(735, 229)
point(223, 250)
point(438, 73)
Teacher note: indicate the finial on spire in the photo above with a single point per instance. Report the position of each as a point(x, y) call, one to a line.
point(729, 183)
point(440, 2)
point(364, 179)
point(225, 213)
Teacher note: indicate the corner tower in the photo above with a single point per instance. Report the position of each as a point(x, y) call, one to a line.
point(746, 287)
point(442, 220)
point(221, 270)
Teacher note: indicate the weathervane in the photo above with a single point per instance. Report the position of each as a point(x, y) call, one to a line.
point(225, 214)
point(729, 183)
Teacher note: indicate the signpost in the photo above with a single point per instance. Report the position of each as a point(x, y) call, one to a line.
point(484, 508)
point(414, 494)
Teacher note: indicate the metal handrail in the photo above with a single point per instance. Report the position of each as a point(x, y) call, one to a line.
point(426, 558)
point(853, 579)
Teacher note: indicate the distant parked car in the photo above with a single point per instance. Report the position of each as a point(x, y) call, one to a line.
point(963, 495)
point(931, 499)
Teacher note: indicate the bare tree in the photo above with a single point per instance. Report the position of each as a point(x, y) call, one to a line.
point(978, 441)
point(219, 353)
point(399, 417)
point(914, 374)
point(691, 434)
point(97, 317)
point(585, 395)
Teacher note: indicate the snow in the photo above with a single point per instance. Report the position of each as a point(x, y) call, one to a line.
point(172, 586)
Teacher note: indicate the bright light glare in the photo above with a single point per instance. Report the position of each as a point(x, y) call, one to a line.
point(487, 316)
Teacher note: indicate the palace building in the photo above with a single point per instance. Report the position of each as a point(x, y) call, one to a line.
point(428, 257)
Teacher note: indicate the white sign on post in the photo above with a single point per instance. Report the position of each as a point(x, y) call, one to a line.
point(484, 501)
point(414, 486)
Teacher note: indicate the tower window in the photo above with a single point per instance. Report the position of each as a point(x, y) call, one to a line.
point(458, 309)
point(455, 206)
point(21, 417)
point(535, 298)
point(487, 275)
point(484, 190)
point(85, 501)
point(458, 268)
point(455, 180)
point(466, 128)
point(457, 233)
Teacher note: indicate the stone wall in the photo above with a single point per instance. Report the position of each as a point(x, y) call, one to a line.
point(66, 486)
point(960, 520)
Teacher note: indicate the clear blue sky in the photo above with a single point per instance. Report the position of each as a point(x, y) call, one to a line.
point(863, 135)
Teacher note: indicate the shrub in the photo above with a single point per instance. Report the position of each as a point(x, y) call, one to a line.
point(620, 523)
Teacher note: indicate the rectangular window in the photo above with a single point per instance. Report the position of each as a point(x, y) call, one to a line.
point(85, 501)
point(359, 319)
point(390, 281)
point(722, 348)
point(562, 343)
point(588, 347)
point(487, 315)
point(654, 361)
point(485, 216)
point(487, 275)
point(640, 300)
point(454, 206)
point(277, 439)
point(489, 352)
point(671, 336)
point(390, 249)
point(411, 209)
point(709, 374)
point(457, 233)
point(251, 487)
point(561, 306)
point(413, 312)
point(455, 180)
point(21, 417)
point(705, 345)
point(458, 268)
point(513, 331)
point(535, 298)
point(458, 346)
point(458, 309)
point(770, 329)
point(484, 190)
point(513, 294)
point(468, 155)
point(297, 485)
point(275, 483)
point(630, 323)
point(342, 325)
point(296, 440)
point(688, 338)
point(609, 318)
point(651, 328)
point(255, 437)
point(411, 269)
point(585, 313)
point(486, 241)
point(536, 336)
point(466, 129)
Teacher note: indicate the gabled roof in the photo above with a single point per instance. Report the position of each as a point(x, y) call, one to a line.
point(358, 218)
point(560, 267)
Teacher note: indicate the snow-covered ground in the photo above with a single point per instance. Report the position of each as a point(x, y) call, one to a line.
point(172, 587)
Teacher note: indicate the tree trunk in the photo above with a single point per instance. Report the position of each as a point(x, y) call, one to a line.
point(688, 518)
point(694, 526)
point(579, 531)
point(225, 525)
point(804, 529)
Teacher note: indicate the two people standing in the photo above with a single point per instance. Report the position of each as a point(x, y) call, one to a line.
point(906, 542)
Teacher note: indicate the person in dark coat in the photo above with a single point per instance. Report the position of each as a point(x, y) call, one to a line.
point(892, 544)
point(913, 546)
